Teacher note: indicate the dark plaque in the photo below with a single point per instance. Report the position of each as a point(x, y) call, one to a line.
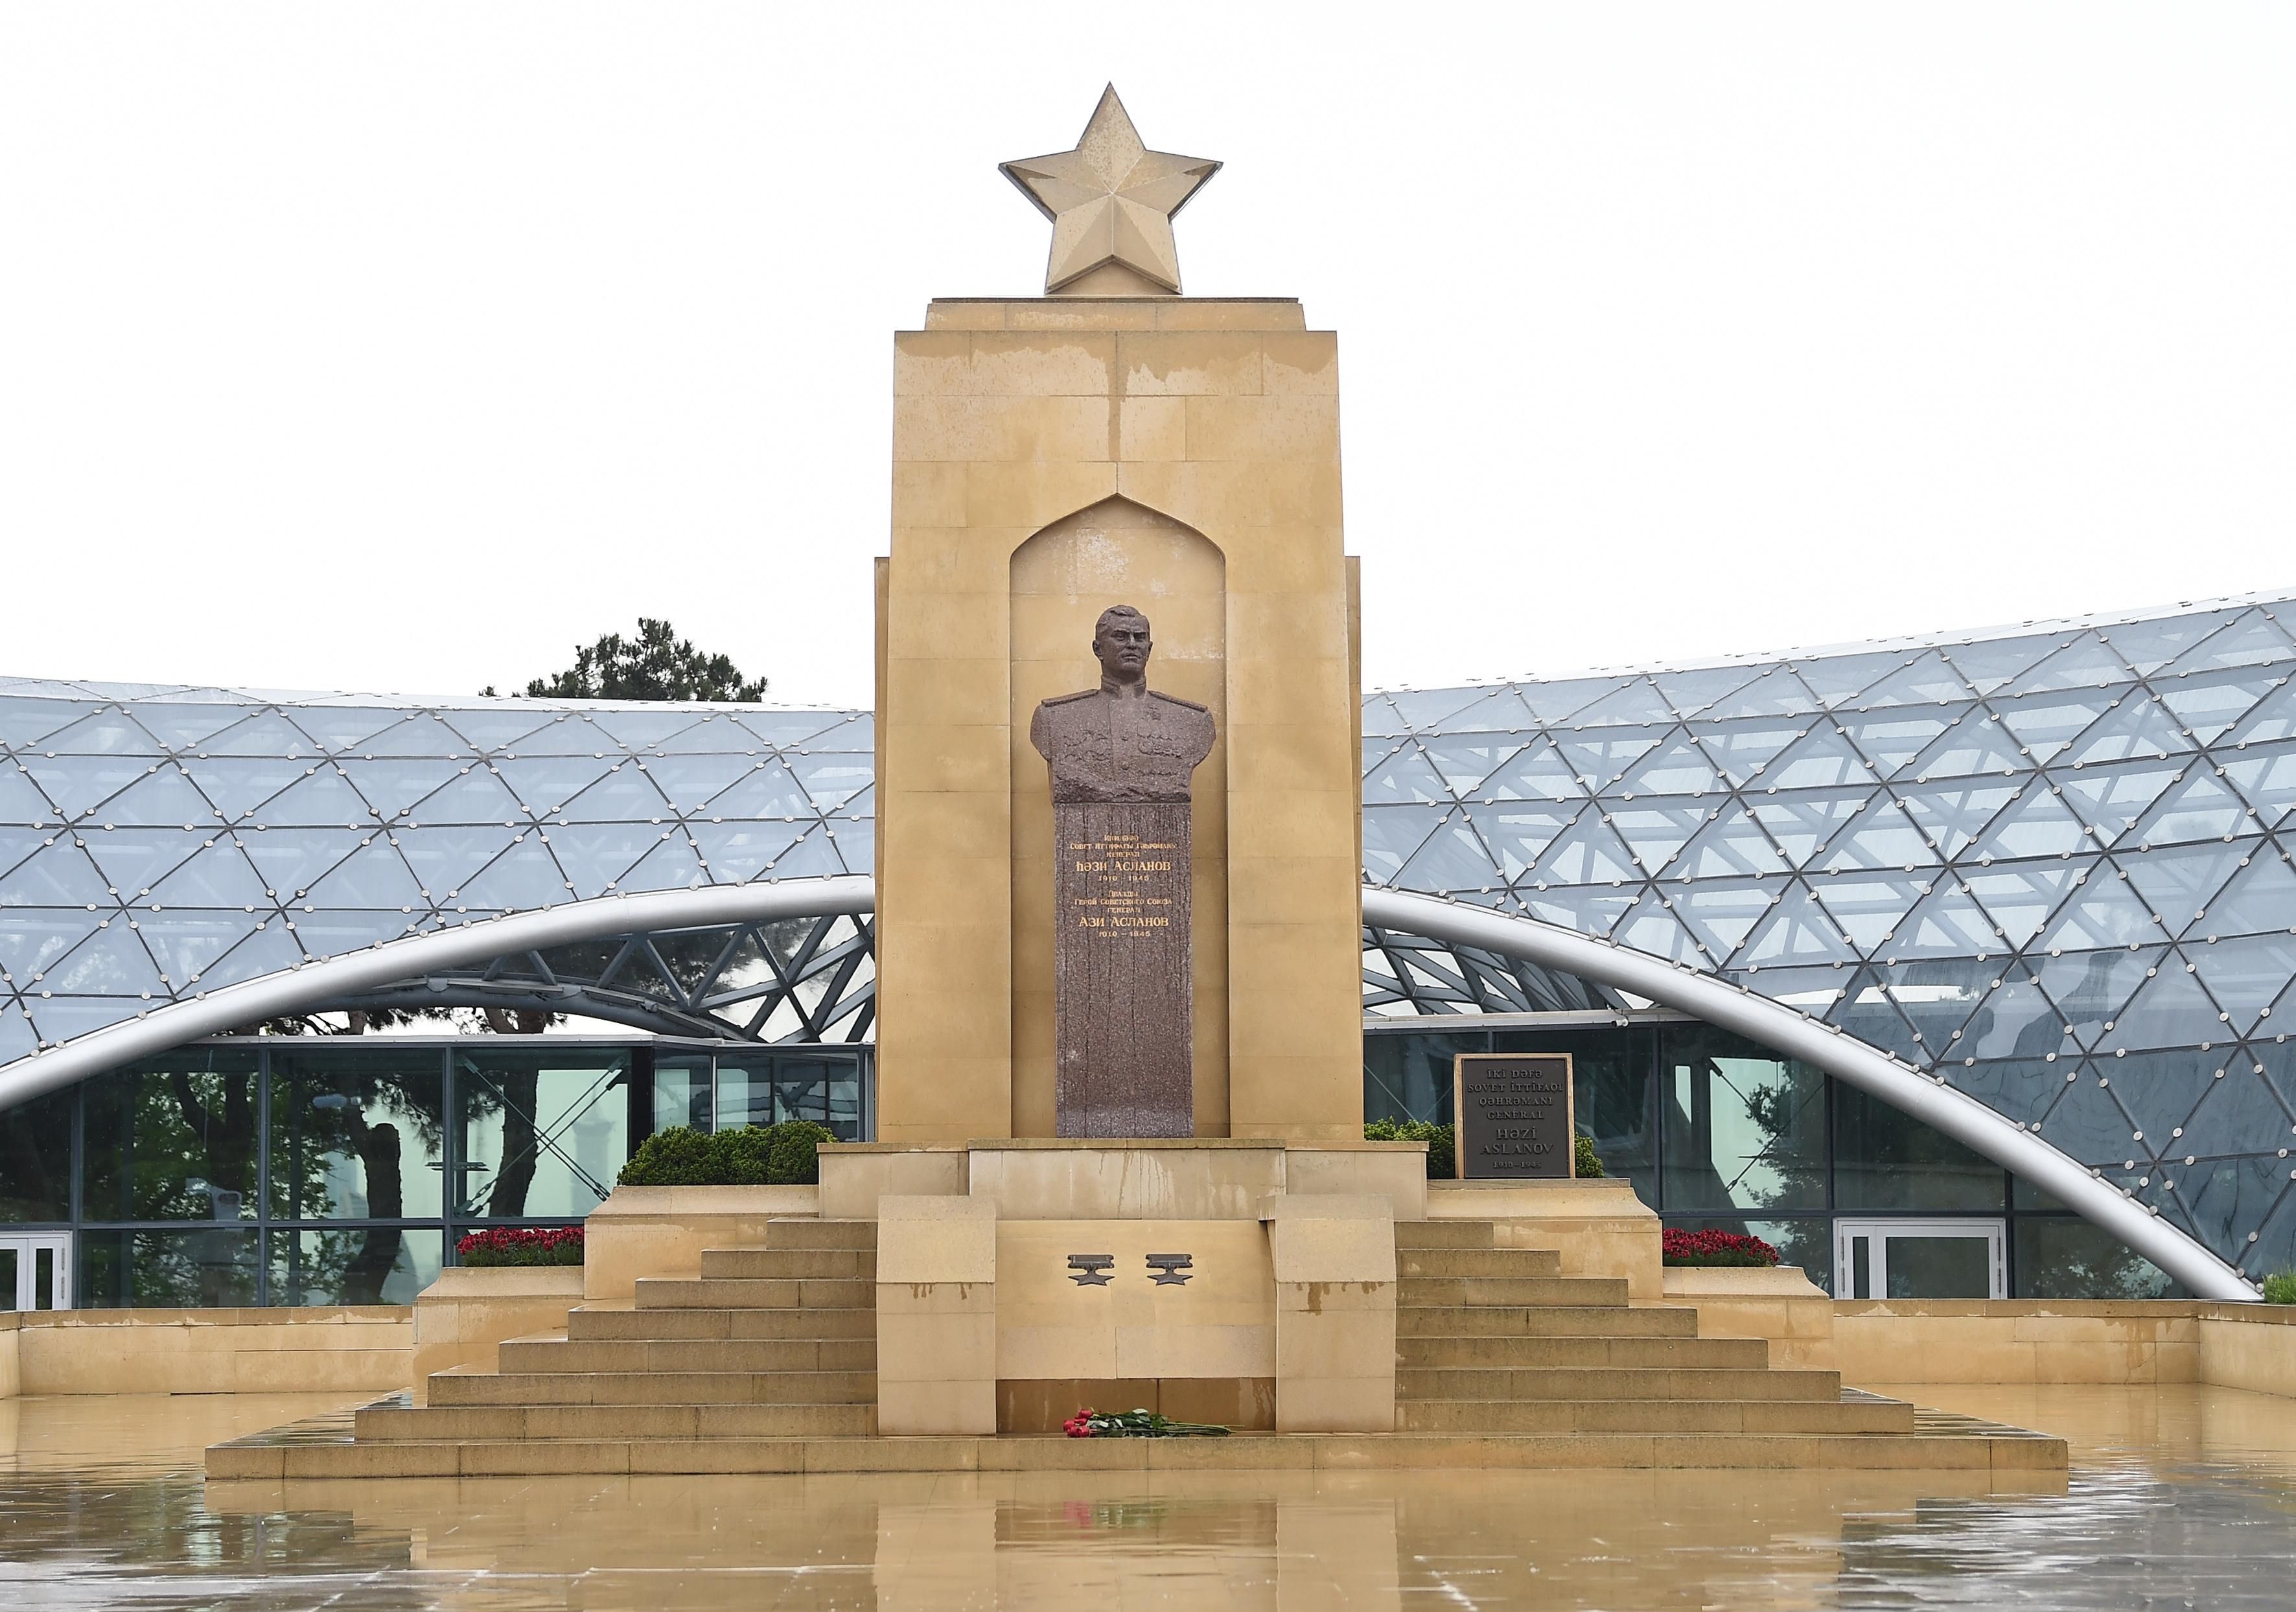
point(1123, 1017)
point(1514, 1116)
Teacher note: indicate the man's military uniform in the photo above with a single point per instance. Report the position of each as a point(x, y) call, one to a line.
point(1110, 743)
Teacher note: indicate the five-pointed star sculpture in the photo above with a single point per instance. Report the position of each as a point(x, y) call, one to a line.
point(1110, 201)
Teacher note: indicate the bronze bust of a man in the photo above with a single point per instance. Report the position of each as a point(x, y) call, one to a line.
point(1122, 741)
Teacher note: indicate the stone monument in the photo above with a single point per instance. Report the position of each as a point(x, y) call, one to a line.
point(1122, 757)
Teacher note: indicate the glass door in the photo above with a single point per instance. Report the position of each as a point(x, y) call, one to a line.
point(35, 1271)
point(1920, 1259)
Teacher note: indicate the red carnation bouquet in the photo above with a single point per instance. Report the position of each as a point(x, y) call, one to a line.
point(521, 1246)
point(1678, 1247)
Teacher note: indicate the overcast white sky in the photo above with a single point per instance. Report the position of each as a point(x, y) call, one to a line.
point(402, 346)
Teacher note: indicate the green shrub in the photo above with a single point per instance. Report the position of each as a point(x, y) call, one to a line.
point(1585, 1161)
point(2280, 1288)
point(748, 1156)
point(1438, 1138)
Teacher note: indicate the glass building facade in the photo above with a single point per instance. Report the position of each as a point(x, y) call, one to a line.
point(2049, 865)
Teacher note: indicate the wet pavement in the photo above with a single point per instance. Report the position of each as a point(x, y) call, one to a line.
point(2178, 1497)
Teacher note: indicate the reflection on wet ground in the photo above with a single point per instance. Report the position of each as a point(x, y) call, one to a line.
point(2178, 1497)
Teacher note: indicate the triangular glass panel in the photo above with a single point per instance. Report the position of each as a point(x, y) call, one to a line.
point(1797, 932)
point(2272, 718)
point(68, 1016)
point(787, 728)
point(670, 865)
point(1560, 700)
point(596, 855)
point(1804, 823)
point(374, 875)
point(1776, 692)
point(32, 937)
point(20, 799)
point(1465, 761)
point(1391, 834)
point(164, 799)
point(2113, 799)
point(494, 727)
point(2255, 639)
point(109, 962)
point(25, 721)
point(1499, 710)
point(736, 852)
point(856, 846)
point(477, 796)
point(1822, 759)
point(2159, 1091)
point(2267, 780)
point(134, 860)
point(18, 1039)
point(2087, 662)
point(2179, 882)
point(1588, 910)
point(1731, 844)
point(444, 860)
point(1815, 991)
point(2235, 1115)
point(393, 785)
point(2042, 725)
point(1936, 999)
point(417, 733)
point(571, 733)
point(79, 784)
point(767, 793)
point(814, 856)
point(1924, 678)
point(1423, 710)
point(1869, 907)
point(270, 950)
point(1649, 928)
point(239, 784)
point(2169, 1010)
point(1406, 776)
point(2103, 911)
point(1836, 679)
point(832, 780)
point(2015, 1020)
point(1634, 701)
point(2138, 728)
point(1690, 693)
point(1538, 772)
point(2090, 987)
point(2247, 977)
point(543, 783)
point(2020, 895)
point(2019, 1089)
point(342, 727)
point(218, 876)
point(1865, 1009)
point(185, 941)
point(108, 731)
point(1882, 836)
point(324, 800)
point(290, 860)
point(2202, 807)
point(1381, 719)
point(523, 878)
point(2211, 702)
point(1589, 852)
point(1518, 832)
point(1743, 750)
point(1452, 859)
point(1890, 738)
point(629, 796)
point(2276, 1062)
point(1654, 832)
point(1948, 924)
point(2036, 824)
point(17, 844)
point(1989, 662)
point(262, 733)
point(2085, 1124)
point(2260, 899)
point(1721, 915)
point(1971, 744)
point(1600, 757)
point(646, 729)
point(2151, 644)
point(60, 876)
point(341, 932)
point(716, 733)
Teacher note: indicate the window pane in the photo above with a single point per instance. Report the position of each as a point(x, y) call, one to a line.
point(544, 1133)
point(1807, 1245)
point(2070, 1258)
point(173, 1137)
point(369, 1265)
point(35, 1160)
point(1939, 1267)
point(355, 1132)
point(765, 1089)
point(205, 1270)
point(1408, 1076)
point(1744, 1127)
point(1884, 1158)
point(1610, 1093)
point(681, 1092)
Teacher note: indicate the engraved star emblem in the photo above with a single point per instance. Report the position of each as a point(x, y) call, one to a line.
point(1112, 201)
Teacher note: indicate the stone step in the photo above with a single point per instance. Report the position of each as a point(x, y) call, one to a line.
point(1522, 1354)
point(1656, 1416)
point(1413, 1290)
point(652, 1388)
point(1515, 1263)
point(1489, 1383)
point(1545, 1320)
point(821, 1234)
point(1444, 1234)
point(689, 1354)
point(789, 1265)
point(665, 1325)
point(397, 1424)
point(687, 1293)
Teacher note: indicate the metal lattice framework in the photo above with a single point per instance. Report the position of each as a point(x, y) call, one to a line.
point(1406, 974)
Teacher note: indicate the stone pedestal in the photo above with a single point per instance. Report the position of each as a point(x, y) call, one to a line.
point(1123, 1026)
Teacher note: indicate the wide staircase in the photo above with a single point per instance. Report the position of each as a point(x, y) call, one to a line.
point(1497, 1341)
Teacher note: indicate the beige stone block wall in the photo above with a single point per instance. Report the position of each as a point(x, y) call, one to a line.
point(1011, 417)
point(1781, 1304)
point(12, 1380)
point(2251, 1346)
point(2016, 1341)
point(937, 1318)
point(460, 1318)
point(1218, 1324)
point(1599, 1226)
point(856, 1175)
point(1208, 1179)
point(661, 1231)
point(1335, 1266)
point(1396, 1171)
point(317, 1349)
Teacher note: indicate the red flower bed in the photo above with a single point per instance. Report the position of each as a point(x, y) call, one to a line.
point(1676, 1247)
point(521, 1246)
